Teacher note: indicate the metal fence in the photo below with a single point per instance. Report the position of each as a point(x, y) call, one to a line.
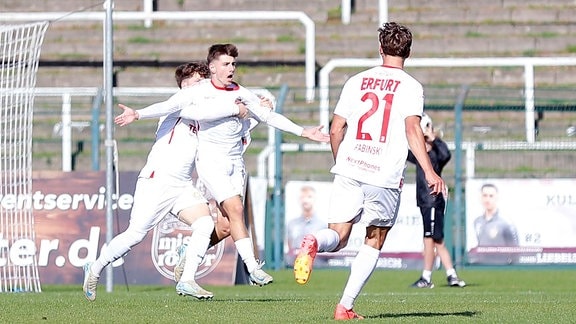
point(493, 127)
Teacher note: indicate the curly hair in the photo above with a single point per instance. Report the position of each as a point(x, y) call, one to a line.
point(395, 39)
point(186, 70)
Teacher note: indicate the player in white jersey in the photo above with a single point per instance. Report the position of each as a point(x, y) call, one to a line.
point(188, 263)
point(164, 186)
point(219, 163)
point(375, 120)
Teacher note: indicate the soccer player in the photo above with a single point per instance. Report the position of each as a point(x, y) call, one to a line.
point(219, 163)
point(187, 265)
point(376, 119)
point(165, 186)
point(432, 209)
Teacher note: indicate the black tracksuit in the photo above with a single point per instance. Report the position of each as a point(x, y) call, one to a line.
point(433, 222)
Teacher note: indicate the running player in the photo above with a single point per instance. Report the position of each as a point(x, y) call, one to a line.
point(165, 186)
point(375, 120)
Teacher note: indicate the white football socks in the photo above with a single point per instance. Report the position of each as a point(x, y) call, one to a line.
point(328, 240)
point(360, 271)
point(198, 245)
point(246, 252)
point(427, 275)
point(117, 248)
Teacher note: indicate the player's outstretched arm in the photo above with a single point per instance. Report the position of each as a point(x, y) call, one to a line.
point(282, 123)
point(262, 111)
point(127, 116)
point(315, 134)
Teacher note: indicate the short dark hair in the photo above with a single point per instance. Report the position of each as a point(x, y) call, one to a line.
point(221, 49)
point(395, 39)
point(186, 70)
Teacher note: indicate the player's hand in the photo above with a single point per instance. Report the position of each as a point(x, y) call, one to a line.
point(128, 116)
point(266, 102)
point(436, 185)
point(242, 110)
point(315, 134)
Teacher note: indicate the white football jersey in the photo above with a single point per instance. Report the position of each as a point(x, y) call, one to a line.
point(375, 104)
point(172, 156)
point(223, 136)
point(219, 129)
point(191, 97)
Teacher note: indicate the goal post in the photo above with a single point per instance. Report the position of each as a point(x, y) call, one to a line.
point(19, 55)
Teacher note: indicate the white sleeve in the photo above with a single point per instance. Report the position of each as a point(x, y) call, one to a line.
point(163, 108)
point(264, 114)
point(282, 123)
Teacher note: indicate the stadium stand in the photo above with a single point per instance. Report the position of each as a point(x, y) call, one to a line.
point(274, 51)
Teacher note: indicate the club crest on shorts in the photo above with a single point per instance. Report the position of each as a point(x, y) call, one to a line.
point(168, 235)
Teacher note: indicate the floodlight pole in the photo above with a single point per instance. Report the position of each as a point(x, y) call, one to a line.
point(109, 142)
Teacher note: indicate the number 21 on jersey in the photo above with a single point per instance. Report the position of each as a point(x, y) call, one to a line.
point(372, 97)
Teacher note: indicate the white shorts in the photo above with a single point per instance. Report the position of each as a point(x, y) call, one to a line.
point(154, 199)
point(224, 177)
point(357, 202)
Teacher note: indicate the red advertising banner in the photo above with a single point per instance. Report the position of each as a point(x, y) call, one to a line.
point(69, 210)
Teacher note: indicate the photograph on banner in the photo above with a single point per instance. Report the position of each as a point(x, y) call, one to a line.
point(70, 229)
point(306, 211)
point(521, 221)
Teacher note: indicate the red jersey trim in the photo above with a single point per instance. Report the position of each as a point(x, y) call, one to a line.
point(232, 87)
point(173, 128)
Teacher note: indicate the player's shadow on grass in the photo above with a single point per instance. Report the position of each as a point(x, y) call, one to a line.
point(427, 314)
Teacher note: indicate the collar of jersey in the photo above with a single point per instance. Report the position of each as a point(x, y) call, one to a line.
point(232, 87)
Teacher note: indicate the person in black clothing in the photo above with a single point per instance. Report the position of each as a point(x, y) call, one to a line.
point(432, 208)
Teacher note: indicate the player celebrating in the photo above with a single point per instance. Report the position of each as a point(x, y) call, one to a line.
point(375, 120)
point(188, 260)
point(219, 163)
point(165, 186)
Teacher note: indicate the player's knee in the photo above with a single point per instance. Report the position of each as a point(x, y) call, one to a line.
point(233, 210)
point(223, 231)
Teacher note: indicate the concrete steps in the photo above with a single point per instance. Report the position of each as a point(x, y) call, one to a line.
point(442, 28)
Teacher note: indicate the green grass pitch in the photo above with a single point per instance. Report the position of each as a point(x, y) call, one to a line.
point(492, 296)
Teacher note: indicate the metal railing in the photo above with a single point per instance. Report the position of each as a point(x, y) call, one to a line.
point(307, 22)
point(265, 167)
point(527, 62)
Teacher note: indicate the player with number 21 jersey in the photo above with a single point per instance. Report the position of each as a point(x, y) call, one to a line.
point(375, 104)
